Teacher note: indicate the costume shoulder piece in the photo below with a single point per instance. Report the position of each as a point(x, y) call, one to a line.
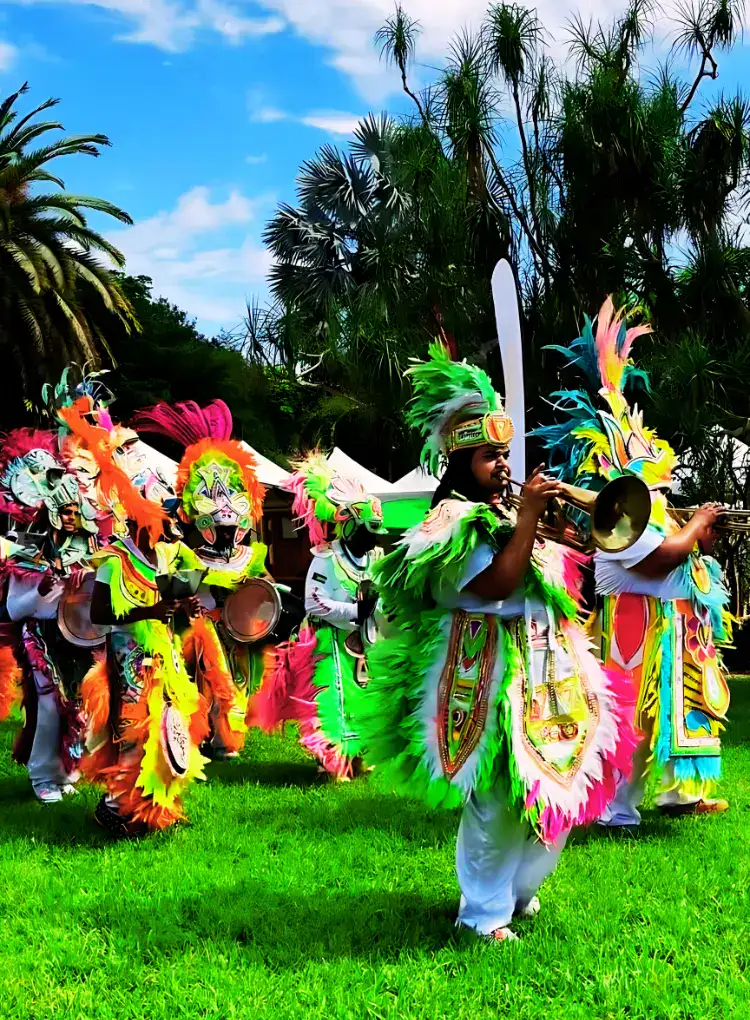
point(440, 545)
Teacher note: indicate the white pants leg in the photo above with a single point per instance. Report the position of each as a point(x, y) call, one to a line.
point(623, 810)
point(44, 761)
point(671, 791)
point(499, 863)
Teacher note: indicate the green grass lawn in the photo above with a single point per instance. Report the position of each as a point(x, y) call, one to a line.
point(291, 898)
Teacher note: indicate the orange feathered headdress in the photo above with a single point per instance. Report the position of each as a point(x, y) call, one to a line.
point(113, 481)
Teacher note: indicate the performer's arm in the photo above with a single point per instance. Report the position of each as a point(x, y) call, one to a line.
point(508, 568)
point(675, 549)
point(319, 600)
point(33, 597)
point(102, 614)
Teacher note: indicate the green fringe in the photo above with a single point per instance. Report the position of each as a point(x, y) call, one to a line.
point(339, 711)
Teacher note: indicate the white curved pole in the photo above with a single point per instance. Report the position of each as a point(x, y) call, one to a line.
point(508, 322)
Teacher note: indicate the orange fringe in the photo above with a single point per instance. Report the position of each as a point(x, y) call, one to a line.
point(11, 680)
point(132, 804)
point(95, 694)
point(213, 674)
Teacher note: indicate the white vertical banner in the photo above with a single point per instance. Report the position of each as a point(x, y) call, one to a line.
point(508, 322)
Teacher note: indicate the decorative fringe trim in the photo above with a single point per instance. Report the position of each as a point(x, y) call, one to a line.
point(217, 686)
point(11, 675)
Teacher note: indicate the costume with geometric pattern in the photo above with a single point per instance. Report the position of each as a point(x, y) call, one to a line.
point(664, 630)
point(221, 499)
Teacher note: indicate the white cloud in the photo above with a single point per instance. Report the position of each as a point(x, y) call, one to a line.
point(8, 55)
point(256, 160)
point(261, 111)
point(332, 122)
point(178, 249)
point(346, 29)
point(268, 115)
point(172, 25)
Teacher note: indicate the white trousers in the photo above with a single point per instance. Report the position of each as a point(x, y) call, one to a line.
point(623, 810)
point(499, 863)
point(44, 764)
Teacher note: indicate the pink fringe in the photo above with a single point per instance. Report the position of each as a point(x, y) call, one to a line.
point(622, 696)
point(287, 694)
point(574, 563)
point(303, 509)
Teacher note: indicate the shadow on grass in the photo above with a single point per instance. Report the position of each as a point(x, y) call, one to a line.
point(70, 823)
point(265, 773)
point(283, 930)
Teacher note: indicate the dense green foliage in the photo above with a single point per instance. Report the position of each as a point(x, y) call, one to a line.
point(288, 898)
point(597, 176)
point(58, 299)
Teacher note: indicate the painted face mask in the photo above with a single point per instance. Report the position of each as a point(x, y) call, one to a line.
point(217, 483)
point(220, 502)
point(328, 505)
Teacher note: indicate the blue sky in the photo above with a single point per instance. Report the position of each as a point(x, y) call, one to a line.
point(211, 106)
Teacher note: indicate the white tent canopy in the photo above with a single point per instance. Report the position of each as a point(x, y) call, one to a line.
point(347, 467)
point(417, 480)
point(270, 474)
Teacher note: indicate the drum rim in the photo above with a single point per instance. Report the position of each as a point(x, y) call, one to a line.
point(72, 595)
point(278, 607)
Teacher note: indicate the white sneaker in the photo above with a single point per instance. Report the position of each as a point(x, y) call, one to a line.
point(531, 909)
point(47, 793)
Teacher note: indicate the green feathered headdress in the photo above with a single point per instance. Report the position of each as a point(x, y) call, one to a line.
point(326, 503)
point(454, 406)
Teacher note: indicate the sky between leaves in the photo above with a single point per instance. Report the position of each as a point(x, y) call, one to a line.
point(211, 106)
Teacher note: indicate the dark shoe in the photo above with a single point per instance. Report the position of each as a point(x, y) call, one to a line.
point(113, 823)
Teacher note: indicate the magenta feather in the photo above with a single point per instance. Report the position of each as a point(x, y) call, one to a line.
point(186, 422)
point(17, 443)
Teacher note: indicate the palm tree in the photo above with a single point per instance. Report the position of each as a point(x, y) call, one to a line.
point(57, 295)
point(397, 40)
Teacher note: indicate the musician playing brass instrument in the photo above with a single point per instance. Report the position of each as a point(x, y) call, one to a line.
point(663, 600)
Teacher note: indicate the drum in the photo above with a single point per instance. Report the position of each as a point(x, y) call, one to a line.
point(261, 611)
point(175, 741)
point(74, 616)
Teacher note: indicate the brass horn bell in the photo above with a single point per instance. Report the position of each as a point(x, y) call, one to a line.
point(619, 512)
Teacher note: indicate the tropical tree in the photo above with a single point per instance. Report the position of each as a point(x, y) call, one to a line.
point(594, 176)
point(57, 295)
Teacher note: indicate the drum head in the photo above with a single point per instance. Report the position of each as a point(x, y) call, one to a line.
point(252, 612)
point(74, 616)
point(175, 740)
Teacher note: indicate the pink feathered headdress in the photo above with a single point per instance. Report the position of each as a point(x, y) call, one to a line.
point(16, 445)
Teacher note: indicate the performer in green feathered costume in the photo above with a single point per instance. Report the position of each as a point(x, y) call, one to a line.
point(486, 693)
point(320, 677)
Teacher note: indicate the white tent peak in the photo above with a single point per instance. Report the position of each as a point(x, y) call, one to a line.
point(419, 479)
point(347, 467)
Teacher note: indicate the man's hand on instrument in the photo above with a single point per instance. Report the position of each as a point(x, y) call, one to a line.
point(537, 491)
point(191, 606)
point(705, 520)
point(164, 610)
